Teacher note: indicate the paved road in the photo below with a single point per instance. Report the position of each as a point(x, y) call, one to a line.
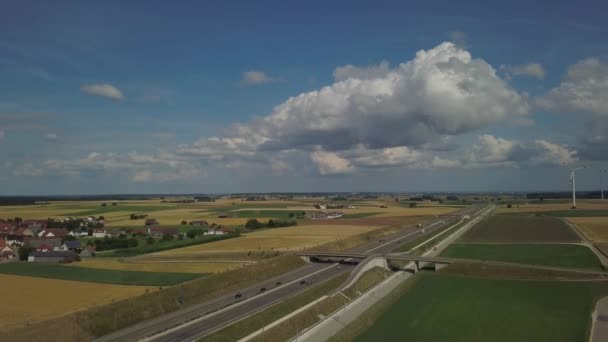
point(200, 320)
point(599, 329)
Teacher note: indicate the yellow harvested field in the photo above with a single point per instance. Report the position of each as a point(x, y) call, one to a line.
point(594, 228)
point(173, 216)
point(280, 239)
point(159, 266)
point(27, 300)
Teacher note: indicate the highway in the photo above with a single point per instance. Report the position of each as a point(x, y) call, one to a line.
point(199, 320)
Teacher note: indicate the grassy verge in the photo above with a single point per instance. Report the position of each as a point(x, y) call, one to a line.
point(289, 328)
point(454, 308)
point(105, 319)
point(369, 317)
point(255, 322)
point(94, 275)
point(160, 246)
point(406, 247)
point(559, 255)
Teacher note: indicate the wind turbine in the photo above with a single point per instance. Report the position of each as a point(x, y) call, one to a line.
point(573, 181)
point(602, 172)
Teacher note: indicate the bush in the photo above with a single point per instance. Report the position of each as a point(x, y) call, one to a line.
point(150, 240)
point(24, 252)
point(184, 222)
point(413, 204)
point(509, 205)
point(167, 237)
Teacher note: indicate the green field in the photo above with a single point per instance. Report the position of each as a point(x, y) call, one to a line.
point(160, 245)
point(95, 275)
point(521, 228)
point(446, 308)
point(561, 255)
point(263, 213)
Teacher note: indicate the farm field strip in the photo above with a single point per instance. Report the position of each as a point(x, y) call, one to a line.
point(561, 255)
point(164, 266)
point(95, 275)
point(521, 228)
point(25, 301)
point(436, 306)
point(279, 239)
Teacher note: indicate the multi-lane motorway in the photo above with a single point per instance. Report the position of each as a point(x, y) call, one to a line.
point(200, 320)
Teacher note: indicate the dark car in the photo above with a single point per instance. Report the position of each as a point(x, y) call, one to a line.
point(278, 283)
point(302, 282)
point(263, 289)
point(238, 295)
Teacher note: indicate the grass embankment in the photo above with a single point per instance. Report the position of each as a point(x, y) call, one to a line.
point(99, 321)
point(406, 247)
point(159, 246)
point(289, 328)
point(558, 255)
point(93, 275)
point(255, 322)
point(454, 308)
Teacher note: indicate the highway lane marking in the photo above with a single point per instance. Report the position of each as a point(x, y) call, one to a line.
point(196, 320)
point(403, 237)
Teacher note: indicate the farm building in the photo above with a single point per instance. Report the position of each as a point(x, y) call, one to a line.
point(58, 257)
point(35, 242)
point(151, 222)
point(160, 231)
point(199, 223)
point(71, 246)
point(87, 252)
point(99, 233)
point(6, 252)
point(53, 233)
point(214, 232)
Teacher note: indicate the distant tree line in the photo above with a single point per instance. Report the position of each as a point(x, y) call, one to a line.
point(253, 224)
point(114, 243)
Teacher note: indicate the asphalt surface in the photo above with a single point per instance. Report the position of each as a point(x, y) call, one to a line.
point(199, 320)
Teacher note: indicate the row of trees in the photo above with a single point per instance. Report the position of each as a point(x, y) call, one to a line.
point(253, 224)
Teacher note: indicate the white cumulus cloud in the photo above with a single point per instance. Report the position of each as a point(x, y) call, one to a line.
point(534, 70)
point(583, 89)
point(330, 163)
point(255, 77)
point(104, 90)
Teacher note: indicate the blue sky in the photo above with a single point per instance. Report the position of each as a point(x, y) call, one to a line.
point(112, 97)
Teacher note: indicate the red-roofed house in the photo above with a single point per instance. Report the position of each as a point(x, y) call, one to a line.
point(53, 233)
point(44, 248)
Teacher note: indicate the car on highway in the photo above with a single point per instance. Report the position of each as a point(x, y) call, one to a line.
point(278, 283)
point(263, 289)
point(238, 295)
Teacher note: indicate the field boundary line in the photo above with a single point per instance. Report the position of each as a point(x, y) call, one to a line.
point(599, 254)
point(281, 320)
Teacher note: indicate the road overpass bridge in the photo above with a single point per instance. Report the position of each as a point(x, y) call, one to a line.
point(331, 257)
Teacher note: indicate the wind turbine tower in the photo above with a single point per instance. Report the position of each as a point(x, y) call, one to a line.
point(573, 181)
point(602, 172)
